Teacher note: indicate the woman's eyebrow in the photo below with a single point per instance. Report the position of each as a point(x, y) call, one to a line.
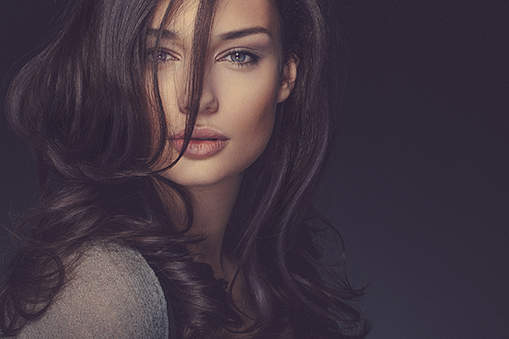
point(244, 32)
point(232, 35)
point(165, 34)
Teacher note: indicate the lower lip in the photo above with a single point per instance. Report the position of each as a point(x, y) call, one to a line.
point(200, 148)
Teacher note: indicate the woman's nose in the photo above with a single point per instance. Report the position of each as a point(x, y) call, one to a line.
point(208, 100)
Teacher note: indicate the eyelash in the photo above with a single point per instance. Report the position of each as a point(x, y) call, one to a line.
point(155, 55)
point(164, 56)
point(252, 58)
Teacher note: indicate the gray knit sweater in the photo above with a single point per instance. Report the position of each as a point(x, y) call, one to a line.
point(113, 293)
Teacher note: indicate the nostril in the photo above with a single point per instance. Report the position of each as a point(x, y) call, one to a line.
point(185, 110)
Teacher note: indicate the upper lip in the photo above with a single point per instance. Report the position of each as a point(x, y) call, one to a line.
point(202, 133)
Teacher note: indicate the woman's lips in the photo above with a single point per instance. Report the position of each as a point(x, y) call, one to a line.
point(204, 142)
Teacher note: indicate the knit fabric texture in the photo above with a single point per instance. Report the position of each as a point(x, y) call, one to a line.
point(112, 293)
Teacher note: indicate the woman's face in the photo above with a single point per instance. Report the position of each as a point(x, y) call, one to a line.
point(242, 85)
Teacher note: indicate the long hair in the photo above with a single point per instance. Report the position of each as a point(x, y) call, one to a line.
point(83, 106)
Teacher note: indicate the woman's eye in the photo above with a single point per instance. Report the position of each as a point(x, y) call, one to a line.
point(238, 57)
point(241, 58)
point(160, 56)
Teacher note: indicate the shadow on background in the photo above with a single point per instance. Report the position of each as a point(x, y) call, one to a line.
point(418, 182)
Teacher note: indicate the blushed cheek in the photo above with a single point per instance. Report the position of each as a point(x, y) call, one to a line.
point(266, 119)
point(262, 124)
point(167, 92)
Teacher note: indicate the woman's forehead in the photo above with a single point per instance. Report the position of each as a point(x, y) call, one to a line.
point(230, 16)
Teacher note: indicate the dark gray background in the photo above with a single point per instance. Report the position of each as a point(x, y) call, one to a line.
point(418, 182)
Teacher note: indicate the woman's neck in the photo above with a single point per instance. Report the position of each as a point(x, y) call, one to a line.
point(212, 207)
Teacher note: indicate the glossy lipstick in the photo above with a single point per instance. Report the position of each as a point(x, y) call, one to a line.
point(204, 142)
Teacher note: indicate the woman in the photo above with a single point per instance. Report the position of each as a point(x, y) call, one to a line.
point(178, 147)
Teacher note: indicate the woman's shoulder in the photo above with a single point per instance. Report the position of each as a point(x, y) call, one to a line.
point(112, 293)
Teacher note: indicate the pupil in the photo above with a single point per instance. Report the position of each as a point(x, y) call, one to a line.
point(239, 57)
